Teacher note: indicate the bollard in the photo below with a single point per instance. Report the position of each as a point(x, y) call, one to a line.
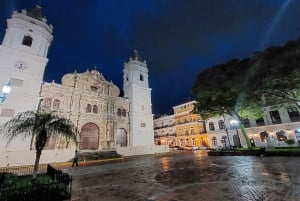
point(84, 161)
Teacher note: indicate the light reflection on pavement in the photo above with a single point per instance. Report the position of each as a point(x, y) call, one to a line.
point(188, 176)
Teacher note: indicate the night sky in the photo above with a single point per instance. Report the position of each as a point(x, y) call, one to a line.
point(177, 38)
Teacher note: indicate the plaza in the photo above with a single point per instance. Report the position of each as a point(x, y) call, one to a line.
point(183, 175)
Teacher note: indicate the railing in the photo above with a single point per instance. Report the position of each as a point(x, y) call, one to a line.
point(57, 186)
point(23, 169)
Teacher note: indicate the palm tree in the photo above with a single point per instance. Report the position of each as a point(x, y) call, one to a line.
point(40, 126)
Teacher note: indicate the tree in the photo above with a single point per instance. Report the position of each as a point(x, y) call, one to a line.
point(277, 77)
point(241, 88)
point(222, 89)
point(40, 126)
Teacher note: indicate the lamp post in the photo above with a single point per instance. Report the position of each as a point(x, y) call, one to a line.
point(6, 89)
point(234, 123)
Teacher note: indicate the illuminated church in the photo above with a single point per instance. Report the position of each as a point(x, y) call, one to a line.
point(105, 120)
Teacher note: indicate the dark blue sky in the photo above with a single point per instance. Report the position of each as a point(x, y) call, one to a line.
point(177, 38)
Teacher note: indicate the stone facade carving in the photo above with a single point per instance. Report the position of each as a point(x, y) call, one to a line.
point(93, 104)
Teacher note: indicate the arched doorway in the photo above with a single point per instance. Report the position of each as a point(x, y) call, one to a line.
point(121, 137)
point(89, 137)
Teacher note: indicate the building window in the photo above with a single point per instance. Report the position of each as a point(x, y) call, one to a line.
point(143, 124)
point(47, 103)
point(275, 117)
point(119, 112)
point(95, 109)
point(246, 123)
point(141, 77)
point(88, 108)
point(179, 131)
point(281, 135)
point(192, 131)
point(27, 40)
point(221, 124)
point(214, 141)
point(224, 141)
point(124, 113)
point(56, 104)
point(293, 114)
point(260, 122)
point(263, 136)
point(211, 126)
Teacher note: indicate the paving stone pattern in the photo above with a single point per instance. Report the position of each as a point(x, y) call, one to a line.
point(189, 176)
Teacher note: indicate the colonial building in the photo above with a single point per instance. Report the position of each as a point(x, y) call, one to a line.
point(280, 123)
point(105, 120)
point(94, 105)
point(189, 127)
point(164, 130)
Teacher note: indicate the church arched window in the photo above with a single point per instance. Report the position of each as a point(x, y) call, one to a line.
point(56, 104)
point(124, 113)
point(47, 103)
point(95, 109)
point(27, 40)
point(119, 112)
point(88, 108)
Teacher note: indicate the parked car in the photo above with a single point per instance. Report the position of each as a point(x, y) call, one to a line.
point(202, 148)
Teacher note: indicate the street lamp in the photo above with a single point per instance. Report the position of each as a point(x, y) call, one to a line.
point(234, 123)
point(6, 89)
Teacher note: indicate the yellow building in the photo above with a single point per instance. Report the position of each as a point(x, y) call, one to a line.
point(190, 129)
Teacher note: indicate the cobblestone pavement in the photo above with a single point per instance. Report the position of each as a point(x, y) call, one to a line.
point(189, 176)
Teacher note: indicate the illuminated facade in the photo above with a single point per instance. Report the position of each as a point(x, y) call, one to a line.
point(189, 127)
point(164, 130)
point(279, 127)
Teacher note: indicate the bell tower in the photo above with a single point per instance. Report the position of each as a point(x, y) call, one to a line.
point(23, 58)
point(137, 91)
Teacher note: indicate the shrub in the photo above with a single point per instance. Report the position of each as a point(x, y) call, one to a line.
point(290, 141)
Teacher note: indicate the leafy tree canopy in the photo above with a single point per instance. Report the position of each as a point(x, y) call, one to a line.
point(242, 87)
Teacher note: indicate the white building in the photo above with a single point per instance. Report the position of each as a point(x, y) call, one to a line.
point(105, 120)
point(164, 130)
point(280, 123)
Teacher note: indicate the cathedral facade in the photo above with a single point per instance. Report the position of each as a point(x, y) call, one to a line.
point(93, 105)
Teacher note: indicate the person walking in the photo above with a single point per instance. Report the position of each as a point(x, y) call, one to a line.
point(75, 159)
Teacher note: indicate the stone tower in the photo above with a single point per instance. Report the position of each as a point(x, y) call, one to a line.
point(137, 91)
point(23, 58)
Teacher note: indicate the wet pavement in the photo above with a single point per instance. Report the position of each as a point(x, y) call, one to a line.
point(189, 176)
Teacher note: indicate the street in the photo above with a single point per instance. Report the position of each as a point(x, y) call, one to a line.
point(187, 176)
